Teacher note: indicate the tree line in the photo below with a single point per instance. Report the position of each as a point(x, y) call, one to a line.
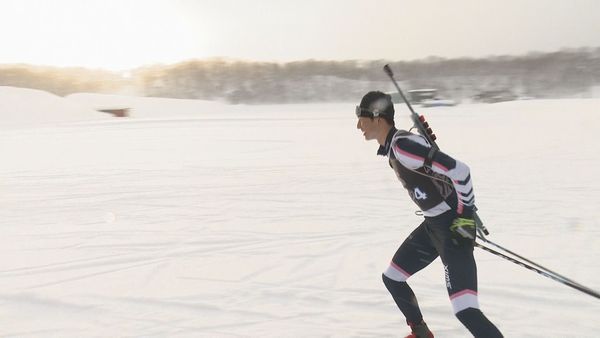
point(564, 73)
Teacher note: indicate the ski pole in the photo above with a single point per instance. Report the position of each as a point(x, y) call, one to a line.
point(533, 267)
point(547, 274)
point(485, 240)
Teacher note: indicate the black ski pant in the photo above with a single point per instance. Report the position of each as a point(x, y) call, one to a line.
point(431, 239)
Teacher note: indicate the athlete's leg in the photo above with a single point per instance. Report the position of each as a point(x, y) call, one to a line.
point(460, 270)
point(415, 253)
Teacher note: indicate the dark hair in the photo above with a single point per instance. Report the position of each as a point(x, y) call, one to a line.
point(380, 101)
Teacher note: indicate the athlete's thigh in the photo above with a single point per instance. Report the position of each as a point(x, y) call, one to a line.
point(456, 254)
point(415, 253)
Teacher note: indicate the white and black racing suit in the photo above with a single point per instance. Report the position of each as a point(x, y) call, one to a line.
point(442, 188)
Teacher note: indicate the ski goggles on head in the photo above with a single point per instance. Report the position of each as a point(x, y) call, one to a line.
point(376, 109)
point(363, 112)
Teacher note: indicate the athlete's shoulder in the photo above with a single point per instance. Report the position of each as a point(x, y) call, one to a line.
point(403, 137)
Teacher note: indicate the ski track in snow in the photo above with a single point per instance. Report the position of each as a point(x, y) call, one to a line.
point(281, 226)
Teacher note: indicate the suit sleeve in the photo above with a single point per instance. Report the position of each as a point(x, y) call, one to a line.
point(413, 150)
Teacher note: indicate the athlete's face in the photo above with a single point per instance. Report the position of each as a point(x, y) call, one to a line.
point(368, 126)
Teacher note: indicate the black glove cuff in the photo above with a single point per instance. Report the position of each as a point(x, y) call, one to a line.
point(467, 212)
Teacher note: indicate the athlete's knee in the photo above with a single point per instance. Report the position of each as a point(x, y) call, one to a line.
point(398, 289)
point(395, 273)
point(464, 299)
point(469, 315)
point(466, 309)
point(388, 282)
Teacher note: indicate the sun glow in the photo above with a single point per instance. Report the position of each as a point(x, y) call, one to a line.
point(124, 34)
point(97, 34)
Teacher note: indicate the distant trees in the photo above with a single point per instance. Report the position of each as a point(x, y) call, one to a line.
point(256, 82)
point(61, 81)
point(569, 72)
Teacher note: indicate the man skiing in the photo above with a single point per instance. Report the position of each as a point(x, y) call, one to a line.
point(441, 187)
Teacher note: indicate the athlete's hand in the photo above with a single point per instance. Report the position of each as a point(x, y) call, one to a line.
point(463, 226)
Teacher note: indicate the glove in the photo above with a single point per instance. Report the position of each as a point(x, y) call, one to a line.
point(463, 226)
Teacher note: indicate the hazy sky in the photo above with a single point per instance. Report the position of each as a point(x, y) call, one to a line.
point(121, 34)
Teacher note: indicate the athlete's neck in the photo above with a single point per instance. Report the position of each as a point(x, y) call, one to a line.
point(382, 136)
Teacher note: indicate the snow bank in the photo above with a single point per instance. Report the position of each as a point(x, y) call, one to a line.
point(150, 107)
point(29, 107)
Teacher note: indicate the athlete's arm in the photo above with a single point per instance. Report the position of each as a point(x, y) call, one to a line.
point(411, 151)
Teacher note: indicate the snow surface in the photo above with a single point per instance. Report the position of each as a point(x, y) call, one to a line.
point(200, 219)
point(27, 107)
